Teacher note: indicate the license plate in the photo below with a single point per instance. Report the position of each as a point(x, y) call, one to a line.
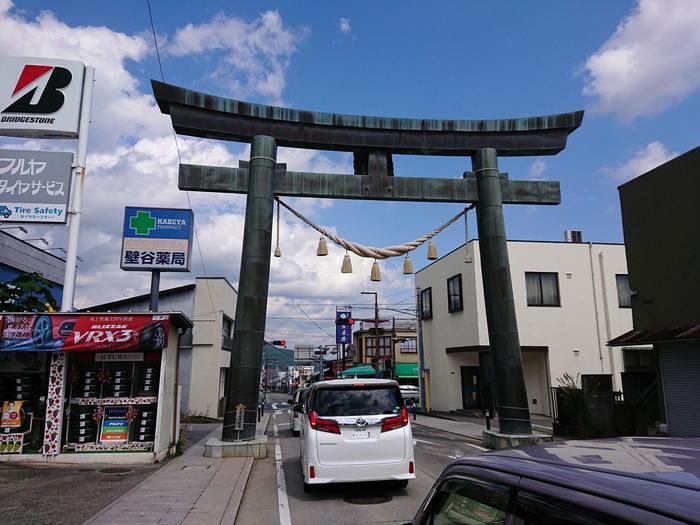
point(362, 434)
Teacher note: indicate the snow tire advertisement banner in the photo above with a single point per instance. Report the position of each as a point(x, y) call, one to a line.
point(83, 333)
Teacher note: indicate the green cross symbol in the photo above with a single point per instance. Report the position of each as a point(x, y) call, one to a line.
point(142, 223)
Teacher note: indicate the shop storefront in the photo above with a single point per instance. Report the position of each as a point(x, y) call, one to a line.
point(77, 387)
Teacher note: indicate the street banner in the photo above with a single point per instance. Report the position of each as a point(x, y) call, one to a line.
point(115, 425)
point(84, 333)
point(34, 186)
point(40, 97)
point(157, 239)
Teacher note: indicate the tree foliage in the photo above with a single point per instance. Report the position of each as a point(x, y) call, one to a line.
point(28, 292)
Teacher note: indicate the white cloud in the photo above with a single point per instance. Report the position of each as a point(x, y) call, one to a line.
point(255, 54)
point(644, 159)
point(651, 61)
point(132, 160)
point(344, 25)
point(120, 109)
point(537, 168)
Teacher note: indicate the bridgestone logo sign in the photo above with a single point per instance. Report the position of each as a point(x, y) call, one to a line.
point(40, 97)
point(29, 120)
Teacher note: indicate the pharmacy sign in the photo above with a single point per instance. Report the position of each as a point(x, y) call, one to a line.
point(157, 239)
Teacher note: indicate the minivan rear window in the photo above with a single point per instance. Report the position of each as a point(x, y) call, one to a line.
point(353, 401)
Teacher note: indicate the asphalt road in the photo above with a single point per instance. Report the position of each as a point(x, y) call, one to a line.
point(346, 503)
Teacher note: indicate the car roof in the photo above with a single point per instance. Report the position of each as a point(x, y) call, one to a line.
point(334, 383)
point(661, 474)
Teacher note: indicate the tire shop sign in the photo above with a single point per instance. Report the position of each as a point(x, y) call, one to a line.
point(83, 332)
point(34, 185)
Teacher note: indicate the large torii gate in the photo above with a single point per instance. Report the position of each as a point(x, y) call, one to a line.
point(372, 140)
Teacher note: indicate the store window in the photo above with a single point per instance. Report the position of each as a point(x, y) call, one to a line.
point(454, 294)
point(426, 304)
point(112, 403)
point(624, 296)
point(542, 288)
point(378, 346)
point(409, 346)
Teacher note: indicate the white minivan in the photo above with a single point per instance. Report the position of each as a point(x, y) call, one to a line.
point(355, 430)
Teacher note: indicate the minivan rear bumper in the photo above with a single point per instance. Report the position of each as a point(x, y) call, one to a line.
point(353, 473)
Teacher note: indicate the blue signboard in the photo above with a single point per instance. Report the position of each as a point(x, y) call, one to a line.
point(343, 326)
point(157, 239)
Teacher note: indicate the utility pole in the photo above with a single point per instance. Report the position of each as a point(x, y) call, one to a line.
point(376, 325)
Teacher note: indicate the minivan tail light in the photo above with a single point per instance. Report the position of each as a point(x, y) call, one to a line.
point(312, 472)
point(392, 423)
point(323, 425)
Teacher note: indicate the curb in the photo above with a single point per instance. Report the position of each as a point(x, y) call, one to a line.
point(234, 504)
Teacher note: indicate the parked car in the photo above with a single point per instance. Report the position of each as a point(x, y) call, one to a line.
point(610, 481)
point(295, 416)
point(356, 430)
point(410, 394)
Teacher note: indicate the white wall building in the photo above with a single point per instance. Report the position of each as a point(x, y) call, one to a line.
point(570, 299)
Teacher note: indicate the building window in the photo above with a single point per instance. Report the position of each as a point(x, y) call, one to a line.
point(426, 303)
point(409, 346)
point(227, 327)
point(542, 288)
point(624, 297)
point(382, 350)
point(454, 293)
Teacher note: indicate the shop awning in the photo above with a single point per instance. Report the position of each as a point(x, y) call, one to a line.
point(359, 371)
point(407, 370)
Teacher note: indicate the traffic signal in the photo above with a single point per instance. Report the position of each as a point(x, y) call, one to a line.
point(345, 321)
point(281, 342)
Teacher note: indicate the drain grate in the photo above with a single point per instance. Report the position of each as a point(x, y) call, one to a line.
point(115, 470)
point(196, 467)
point(375, 499)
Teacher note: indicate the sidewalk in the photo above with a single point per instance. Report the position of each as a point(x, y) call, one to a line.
point(189, 490)
point(470, 427)
point(463, 428)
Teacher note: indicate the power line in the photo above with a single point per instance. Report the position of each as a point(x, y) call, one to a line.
point(179, 158)
point(314, 322)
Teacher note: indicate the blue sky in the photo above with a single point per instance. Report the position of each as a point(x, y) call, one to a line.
point(632, 65)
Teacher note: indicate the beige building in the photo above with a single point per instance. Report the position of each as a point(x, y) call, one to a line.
point(570, 299)
point(393, 350)
point(205, 349)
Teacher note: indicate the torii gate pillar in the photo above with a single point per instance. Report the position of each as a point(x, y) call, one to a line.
point(513, 412)
point(253, 284)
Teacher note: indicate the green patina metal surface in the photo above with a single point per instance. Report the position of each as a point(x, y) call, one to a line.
point(203, 115)
point(366, 187)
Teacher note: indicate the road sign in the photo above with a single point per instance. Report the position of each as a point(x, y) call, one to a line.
point(34, 186)
point(157, 239)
